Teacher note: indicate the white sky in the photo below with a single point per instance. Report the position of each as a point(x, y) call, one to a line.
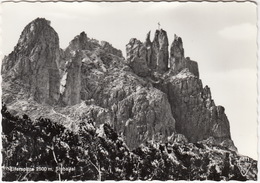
point(221, 37)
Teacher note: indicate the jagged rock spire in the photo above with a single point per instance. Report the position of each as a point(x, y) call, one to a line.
point(177, 60)
point(154, 54)
point(80, 42)
point(148, 45)
point(160, 52)
point(177, 50)
point(34, 61)
point(70, 85)
point(177, 101)
point(147, 39)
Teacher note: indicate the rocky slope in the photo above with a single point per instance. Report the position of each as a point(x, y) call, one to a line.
point(153, 96)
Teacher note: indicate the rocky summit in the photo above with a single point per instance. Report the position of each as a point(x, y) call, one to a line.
point(149, 107)
point(34, 62)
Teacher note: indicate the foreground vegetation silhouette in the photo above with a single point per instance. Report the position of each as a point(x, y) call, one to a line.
point(54, 152)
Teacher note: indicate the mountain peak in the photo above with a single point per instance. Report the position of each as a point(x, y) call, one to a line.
point(147, 40)
point(38, 31)
point(41, 21)
point(155, 90)
point(37, 25)
point(177, 49)
point(161, 36)
point(79, 42)
point(83, 34)
point(34, 61)
point(154, 101)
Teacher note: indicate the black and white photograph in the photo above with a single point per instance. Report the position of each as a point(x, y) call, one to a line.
point(113, 91)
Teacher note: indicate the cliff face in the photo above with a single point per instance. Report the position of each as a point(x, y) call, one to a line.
point(160, 54)
point(92, 76)
point(113, 94)
point(138, 57)
point(34, 61)
point(192, 103)
point(140, 113)
point(151, 96)
point(196, 115)
point(70, 84)
point(193, 106)
point(148, 57)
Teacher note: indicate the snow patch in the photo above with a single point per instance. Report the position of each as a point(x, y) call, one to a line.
point(63, 83)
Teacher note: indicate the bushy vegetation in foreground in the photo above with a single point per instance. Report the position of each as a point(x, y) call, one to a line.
point(49, 151)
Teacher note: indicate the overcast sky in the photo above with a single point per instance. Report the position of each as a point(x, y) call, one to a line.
point(221, 37)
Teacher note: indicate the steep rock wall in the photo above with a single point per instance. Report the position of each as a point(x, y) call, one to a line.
point(138, 57)
point(177, 60)
point(197, 116)
point(141, 113)
point(129, 103)
point(136, 110)
point(160, 54)
point(70, 84)
point(34, 61)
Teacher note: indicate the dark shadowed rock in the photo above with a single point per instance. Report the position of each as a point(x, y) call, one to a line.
point(177, 60)
point(148, 45)
point(160, 53)
point(27, 142)
point(70, 84)
point(177, 50)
